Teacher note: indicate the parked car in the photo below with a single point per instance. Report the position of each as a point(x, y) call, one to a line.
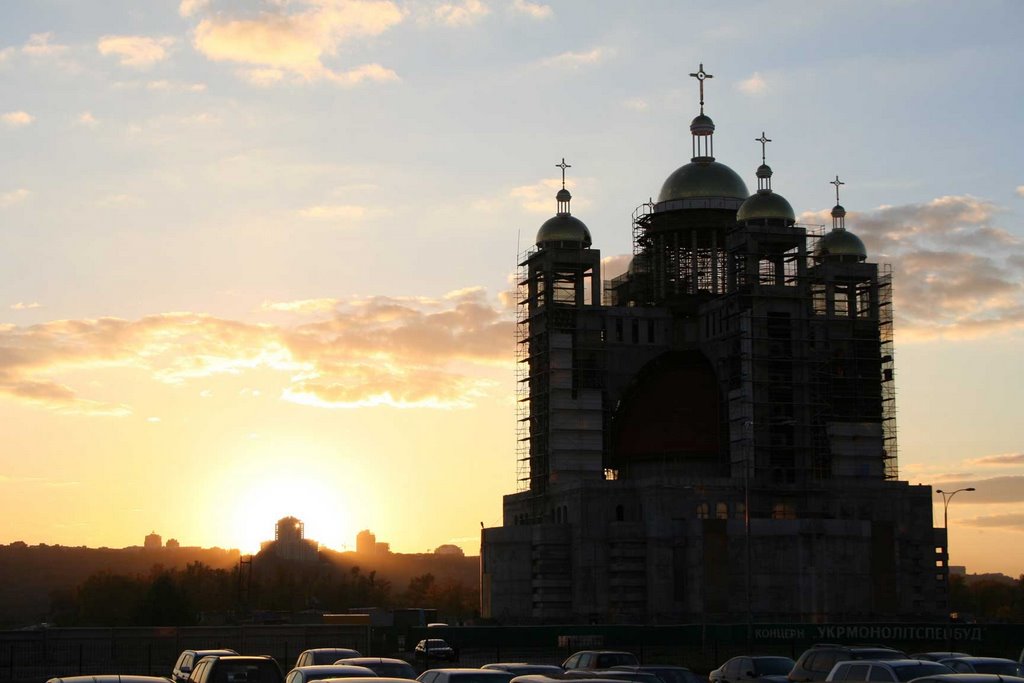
point(982, 665)
point(668, 674)
point(464, 676)
point(761, 669)
point(236, 669)
point(888, 671)
point(318, 672)
point(187, 661)
point(434, 648)
point(110, 678)
point(968, 678)
point(524, 669)
point(383, 666)
point(600, 659)
point(610, 675)
point(817, 661)
point(937, 656)
point(324, 655)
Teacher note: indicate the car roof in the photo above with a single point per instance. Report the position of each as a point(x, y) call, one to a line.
point(970, 659)
point(372, 660)
point(970, 678)
point(110, 678)
point(327, 668)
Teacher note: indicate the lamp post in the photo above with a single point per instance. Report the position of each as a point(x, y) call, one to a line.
point(946, 497)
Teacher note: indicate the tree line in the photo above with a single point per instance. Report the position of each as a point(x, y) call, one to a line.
point(198, 593)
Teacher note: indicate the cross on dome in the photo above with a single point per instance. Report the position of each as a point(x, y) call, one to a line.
point(763, 140)
point(701, 76)
point(563, 166)
point(837, 182)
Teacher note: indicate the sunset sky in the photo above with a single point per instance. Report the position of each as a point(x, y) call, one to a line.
point(255, 255)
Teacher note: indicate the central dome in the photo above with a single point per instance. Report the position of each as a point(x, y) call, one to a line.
point(563, 228)
point(703, 179)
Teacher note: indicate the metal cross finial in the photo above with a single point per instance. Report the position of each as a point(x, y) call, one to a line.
point(700, 76)
point(837, 182)
point(563, 166)
point(763, 140)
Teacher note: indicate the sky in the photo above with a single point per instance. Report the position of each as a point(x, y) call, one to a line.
point(256, 255)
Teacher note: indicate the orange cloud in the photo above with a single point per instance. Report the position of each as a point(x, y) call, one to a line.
point(366, 352)
point(138, 52)
point(277, 44)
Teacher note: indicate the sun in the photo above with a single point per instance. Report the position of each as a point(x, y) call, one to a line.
point(270, 487)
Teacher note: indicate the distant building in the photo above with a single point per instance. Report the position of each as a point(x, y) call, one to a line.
point(173, 544)
point(367, 544)
point(290, 542)
point(153, 541)
point(710, 436)
point(449, 549)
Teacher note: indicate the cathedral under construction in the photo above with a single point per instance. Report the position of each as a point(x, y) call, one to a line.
point(711, 436)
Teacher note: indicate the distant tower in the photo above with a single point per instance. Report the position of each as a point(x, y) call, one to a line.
point(366, 542)
point(289, 529)
point(153, 541)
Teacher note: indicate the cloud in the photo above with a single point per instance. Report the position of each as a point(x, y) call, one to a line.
point(461, 13)
point(1013, 521)
point(994, 490)
point(276, 44)
point(1020, 190)
point(636, 104)
point(22, 306)
point(540, 196)
point(120, 201)
point(6, 54)
point(13, 197)
point(957, 273)
point(138, 52)
point(175, 86)
point(755, 85)
point(340, 212)
point(17, 119)
point(534, 10)
point(39, 45)
point(999, 460)
point(613, 266)
point(576, 60)
point(189, 7)
point(87, 119)
point(402, 352)
point(302, 305)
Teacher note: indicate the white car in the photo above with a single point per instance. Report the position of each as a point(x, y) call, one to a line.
point(305, 674)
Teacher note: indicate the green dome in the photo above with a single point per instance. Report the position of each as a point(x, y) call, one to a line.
point(563, 228)
point(766, 204)
point(840, 245)
point(703, 179)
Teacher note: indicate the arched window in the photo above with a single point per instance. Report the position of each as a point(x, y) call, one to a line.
point(702, 510)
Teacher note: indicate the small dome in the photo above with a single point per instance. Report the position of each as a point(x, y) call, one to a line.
point(703, 179)
point(765, 204)
point(564, 228)
point(563, 195)
point(838, 211)
point(840, 245)
point(702, 125)
point(764, 171)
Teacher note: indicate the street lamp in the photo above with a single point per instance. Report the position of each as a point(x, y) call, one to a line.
point(946, 497)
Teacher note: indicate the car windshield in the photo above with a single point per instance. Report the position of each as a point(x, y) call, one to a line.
point(906, 673)
point(610, 659)
point(331, 656)
point(480, 677)
point(772, 666)
point(246, 672)
point(880, 653)
point(1001, 668)
point(434, 642)
point(392, 669)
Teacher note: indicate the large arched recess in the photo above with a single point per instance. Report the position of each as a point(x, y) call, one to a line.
point(672, 414)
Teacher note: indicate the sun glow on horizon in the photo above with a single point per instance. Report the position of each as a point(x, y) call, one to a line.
point(269, 487)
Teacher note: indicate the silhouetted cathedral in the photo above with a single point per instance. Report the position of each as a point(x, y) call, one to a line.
point(710, 436)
